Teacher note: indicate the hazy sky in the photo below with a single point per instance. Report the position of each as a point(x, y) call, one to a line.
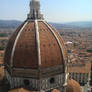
point(53, 10)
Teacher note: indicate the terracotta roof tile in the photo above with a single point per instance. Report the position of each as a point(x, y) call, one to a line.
point(73, 86)
point(21, 90)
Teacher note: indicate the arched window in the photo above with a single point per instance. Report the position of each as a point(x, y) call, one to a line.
point(26, 82)
point(52, 80)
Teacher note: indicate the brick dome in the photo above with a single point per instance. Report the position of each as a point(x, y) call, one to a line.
point(35, 55)
point(34, 45)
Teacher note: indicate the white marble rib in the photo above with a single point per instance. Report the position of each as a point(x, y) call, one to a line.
point(38, 41)
point(16, 40)
point(56, 38)
point(65, 60)
point(61, 48)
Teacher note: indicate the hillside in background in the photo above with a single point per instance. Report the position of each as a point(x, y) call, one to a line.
point(85, 24)
point(9, 23)
point(15, 24)
point(72, 25)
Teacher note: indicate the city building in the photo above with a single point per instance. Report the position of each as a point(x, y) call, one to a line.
point(81, 72)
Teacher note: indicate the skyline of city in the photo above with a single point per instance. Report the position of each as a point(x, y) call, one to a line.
point(62, 11)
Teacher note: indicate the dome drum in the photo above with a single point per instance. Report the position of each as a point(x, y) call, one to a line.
point(36, 84)
point(33, 73)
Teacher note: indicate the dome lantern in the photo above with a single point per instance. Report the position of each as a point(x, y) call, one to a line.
point(35, 12)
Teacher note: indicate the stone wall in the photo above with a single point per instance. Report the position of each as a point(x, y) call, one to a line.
point(45, 84)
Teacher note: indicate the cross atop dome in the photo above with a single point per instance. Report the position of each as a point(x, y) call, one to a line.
point(35, 12)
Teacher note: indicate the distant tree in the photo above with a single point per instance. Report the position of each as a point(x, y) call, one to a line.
point(2, 48)
point(68, 51)
point(89, 50)
point(75, 44)
point(3, 34)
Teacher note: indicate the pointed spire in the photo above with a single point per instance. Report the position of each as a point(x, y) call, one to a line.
point(35, 10)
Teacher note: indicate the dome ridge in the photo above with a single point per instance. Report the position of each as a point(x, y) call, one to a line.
point(38, 42)
point(61, 49)
point(12, 54)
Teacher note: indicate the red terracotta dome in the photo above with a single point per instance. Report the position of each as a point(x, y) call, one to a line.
point(35, 55)
point(73, 86)
point(35, 44)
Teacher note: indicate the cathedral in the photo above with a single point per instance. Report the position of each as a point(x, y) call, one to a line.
point(35, 56)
